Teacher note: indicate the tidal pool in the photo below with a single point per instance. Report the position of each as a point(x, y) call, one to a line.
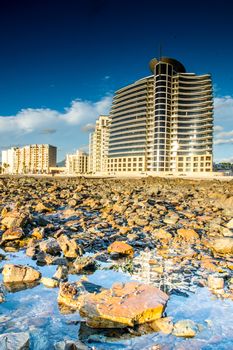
point(36, 310)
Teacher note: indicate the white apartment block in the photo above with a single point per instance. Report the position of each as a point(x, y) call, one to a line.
point(163, 122)
point(30, 159)
point(77, 163)
point(98, 146)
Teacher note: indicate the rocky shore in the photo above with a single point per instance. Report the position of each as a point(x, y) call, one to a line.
point(171, 237)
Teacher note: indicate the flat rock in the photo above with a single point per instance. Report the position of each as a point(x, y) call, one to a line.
point(84, 263)
point(222, 245)
point(123, 305)
point(49, 282)
point(19, 273)
point(12, 234)
point(121, 248)
point(70, 345)
point(188, 235)
point(14, 341)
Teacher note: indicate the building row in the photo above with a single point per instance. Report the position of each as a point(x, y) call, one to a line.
point(162, 123)
point(30, 159)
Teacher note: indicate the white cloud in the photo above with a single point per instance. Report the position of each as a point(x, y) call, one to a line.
point(223, 109)
point(45, 120)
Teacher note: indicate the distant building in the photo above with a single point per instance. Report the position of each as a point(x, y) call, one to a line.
point(98, 146)
point(8, 161)
point(163, 122)
point(77, 163)
point(30, 159)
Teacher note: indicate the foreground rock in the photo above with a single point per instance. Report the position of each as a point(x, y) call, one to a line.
point(84, 264)
point(19, 273)
point(70, 345)
point(14, 341)
point(12, 234)
point(120, 248)
point(222, 245)
point(69, 247)
point(123, 305)
point(185, 328)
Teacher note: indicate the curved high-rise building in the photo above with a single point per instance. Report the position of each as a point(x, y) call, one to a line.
point(163, 122)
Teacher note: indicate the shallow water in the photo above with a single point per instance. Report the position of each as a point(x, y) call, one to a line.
point(36, 310)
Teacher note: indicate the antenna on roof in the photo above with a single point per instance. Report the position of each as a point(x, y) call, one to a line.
point(160, 51)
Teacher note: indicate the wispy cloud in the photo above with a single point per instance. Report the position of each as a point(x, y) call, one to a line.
point(88, 127)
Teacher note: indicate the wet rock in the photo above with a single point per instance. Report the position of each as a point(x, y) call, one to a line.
point(120, 248)
point(49, 282)
point(215, 282)
point(70, 345)
point(38, 233)
point(84, 264)
point(164, 325)
point(19, 273)
point(61, 274)
point(71, 295)
point(185, 328)
point(50, 246)
point(2, 293)
point(69, 247)
point(123, 305)
point(12, 234)
point(14, 341)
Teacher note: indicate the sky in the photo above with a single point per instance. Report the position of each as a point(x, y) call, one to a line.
point(61, 61)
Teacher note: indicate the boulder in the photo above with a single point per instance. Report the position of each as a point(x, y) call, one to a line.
point(19, 273)
point(12, 234)
point(230, 224)
point(50, 246)
point(14, 219)
point(61, 273)
point(188, 235)
point(70, 345)
point(121, 248)
point(215, 282)
point(14, 341)
point(69, 247)
point(49, 282)
point(43, 208)
point(164, 325)
point(123, 305)
point(185, 328)
point(71, 295)
point(222, 245)
point(84, 263)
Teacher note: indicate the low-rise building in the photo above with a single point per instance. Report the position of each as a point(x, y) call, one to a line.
point(77, 163)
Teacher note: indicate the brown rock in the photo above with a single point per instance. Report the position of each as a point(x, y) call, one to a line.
point(164, 325)
point(19, 273)
point(120, 248)
point(12, 234)
point(222, 245)
point(188, 235)
point(42, 208)
point(185, 328)
point(123, 305)
point(215, 282)
point(69, 247)
point(14, 219)
point(71, 295)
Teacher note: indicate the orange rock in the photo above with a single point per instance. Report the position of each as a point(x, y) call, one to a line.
point(120, 248)
point(123, 305)
point(12, 234)
point(188, 234)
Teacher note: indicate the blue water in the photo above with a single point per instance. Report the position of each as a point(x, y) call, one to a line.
point(36, 310)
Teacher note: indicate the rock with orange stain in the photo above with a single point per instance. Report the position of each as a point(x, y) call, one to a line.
point(121, 248)
point(123, 305)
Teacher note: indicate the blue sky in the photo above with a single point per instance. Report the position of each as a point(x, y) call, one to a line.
point(61, 62)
